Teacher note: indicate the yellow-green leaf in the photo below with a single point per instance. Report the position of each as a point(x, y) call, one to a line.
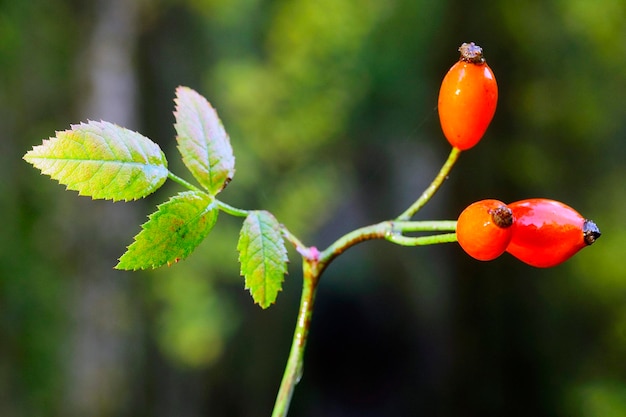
point(263, 257)
point(102, 160)
point(202, 141)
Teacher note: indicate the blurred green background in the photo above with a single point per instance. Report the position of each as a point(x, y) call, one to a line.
point(331, 108)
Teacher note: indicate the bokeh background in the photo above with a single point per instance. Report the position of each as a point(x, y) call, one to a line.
point(331, 108)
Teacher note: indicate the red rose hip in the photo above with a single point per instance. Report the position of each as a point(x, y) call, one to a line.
point(546, 233)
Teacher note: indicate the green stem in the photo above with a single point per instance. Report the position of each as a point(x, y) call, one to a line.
point(391, 231)
point(233, 211)
point(433, 187)
point(181, 181)
point(375, 231)
point(424, 226)
point(422, 240)
point(293, 371)
point(297, 243)
point(315, 262)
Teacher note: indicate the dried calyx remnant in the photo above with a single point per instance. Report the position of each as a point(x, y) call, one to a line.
point(591, 232)
point(470, 52)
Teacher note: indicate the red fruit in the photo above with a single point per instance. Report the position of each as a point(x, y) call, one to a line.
point(467, 98)
point(546, 233)
point(484, 229)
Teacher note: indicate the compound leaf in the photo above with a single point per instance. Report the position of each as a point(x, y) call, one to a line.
point(263, 257)
point(102, 160)
point(172, 232)
point(202, 141)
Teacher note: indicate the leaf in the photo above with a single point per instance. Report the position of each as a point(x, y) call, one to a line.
point(102, 160)
point(172, 232)
point(202, 141)
point(263, 257)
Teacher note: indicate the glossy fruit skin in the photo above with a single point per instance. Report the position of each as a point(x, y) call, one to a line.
point(467, 99)
point(546, 233)
point(484, 229)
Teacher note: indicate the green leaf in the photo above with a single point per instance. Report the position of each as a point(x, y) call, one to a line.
point(102, 160)
point(172, 232)
point(202, 141)
point(263, 257)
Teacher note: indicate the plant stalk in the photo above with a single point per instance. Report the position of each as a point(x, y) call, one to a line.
point(422, 240)
point(233, 211)
point(315, 262)
point(424, 226)
point(181, 181)
point(293, 370)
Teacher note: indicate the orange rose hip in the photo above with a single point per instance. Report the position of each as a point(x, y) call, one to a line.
point(484, 229)
point(467, 98)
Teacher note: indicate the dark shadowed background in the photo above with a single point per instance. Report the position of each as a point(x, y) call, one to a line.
point(331, 109)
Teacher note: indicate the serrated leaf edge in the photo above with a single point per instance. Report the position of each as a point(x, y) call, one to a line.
point(204, 165)
point(210, 207)
point(75, 128)
point(280, 264)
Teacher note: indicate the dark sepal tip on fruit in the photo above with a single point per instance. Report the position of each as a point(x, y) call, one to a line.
point(467, 98)
point(591, 232)
point(502, 216)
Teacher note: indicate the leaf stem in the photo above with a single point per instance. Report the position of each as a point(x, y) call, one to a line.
point(433, 187)
point(300, 247)
point(227, 208)
point(293, 371)
point(181, 181)
point(233, 211)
